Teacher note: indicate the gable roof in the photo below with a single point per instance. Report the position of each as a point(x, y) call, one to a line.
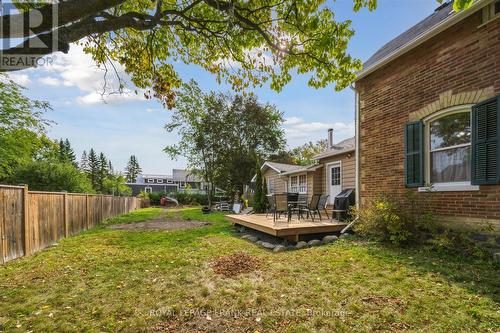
point(342, 147)
point(443, 17)
point(184, 175)
point(281, 167)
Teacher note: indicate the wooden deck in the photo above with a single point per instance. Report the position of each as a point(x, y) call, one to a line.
point(281, 228)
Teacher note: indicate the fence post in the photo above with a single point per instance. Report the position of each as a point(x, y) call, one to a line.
point(26, 227)
point(66, 219)
point(87, 210)
point(102, 207)
point(2, 227)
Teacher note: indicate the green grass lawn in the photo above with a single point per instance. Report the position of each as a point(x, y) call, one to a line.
point(111, 280)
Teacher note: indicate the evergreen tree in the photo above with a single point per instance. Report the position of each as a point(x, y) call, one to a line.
point(110, 168)
point(132, 170)
point(257, 199)
point(66, 153)
point(103, 171)
point(70, 154)
point(84, 162)
point(263, 198)
point(93, 169)
point(62, 150)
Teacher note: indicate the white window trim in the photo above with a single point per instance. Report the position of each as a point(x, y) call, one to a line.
point(328, 179)
point(151, 180)
point(303, 185)
point(298, 183)
point(148, 189)
point(449, 186)
point(488, 14)
point(270, 189)
point(159, 181)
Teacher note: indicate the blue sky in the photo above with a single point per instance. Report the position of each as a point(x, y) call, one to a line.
point(126, 125)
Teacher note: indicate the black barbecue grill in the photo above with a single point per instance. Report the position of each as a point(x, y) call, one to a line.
point(342, 202)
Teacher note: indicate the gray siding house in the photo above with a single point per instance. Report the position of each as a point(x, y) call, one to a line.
point(179, 180)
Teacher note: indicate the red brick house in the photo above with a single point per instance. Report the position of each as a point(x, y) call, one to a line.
point(427, 115)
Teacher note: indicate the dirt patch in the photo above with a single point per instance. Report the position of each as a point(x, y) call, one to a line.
point(383, 301)
point(161, 224)
point(235, 264)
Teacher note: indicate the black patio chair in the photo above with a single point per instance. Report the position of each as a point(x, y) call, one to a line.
point(312, 207)
point(323, 201)
point(270, 205)
point(281, 206)
point(300, 205)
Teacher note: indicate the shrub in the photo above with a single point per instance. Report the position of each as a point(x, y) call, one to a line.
point(186, 198)
point(258, 197)
point(155, 197)
point(41, 175)
point(393, 218)
point(455, 242)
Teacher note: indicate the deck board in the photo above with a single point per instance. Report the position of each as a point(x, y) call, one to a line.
point(281, 228)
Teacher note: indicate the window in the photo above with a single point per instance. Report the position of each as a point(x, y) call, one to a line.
point(170, 181)
point(298, 183)
point(455, 149)
point(148, 190)
point(159, 181)
point(151, 180)
point(335, 176)
point(294, 184)
point(302, 184)
point(450, 148)
point(491, 12)
point(270, 186)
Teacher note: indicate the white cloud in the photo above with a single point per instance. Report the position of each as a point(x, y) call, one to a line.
point(150, 110)
point(95, 98)
point(297, 128)
point(77, 69)
point(49, 81)
point(21, 79)
point(293, 121)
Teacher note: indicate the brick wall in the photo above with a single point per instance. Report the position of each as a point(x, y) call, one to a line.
point(459, 66)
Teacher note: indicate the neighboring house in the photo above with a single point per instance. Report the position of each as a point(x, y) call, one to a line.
point(273, 174)
point(179, 180)
point(427, 111)
point(333, 172)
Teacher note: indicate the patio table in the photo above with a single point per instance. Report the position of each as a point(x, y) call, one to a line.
point(298, 204)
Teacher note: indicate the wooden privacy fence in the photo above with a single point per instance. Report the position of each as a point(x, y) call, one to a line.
point(32, 220)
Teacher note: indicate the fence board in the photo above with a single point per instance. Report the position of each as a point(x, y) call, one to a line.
point(77, 213)
point(11, 223)
point(48, 213)
point(33, 220)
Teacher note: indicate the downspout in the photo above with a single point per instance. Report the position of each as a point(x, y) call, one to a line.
point(357, 152)
point(357, 157)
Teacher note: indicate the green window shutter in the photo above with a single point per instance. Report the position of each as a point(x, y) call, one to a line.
point(414, 154)
point(485, 140)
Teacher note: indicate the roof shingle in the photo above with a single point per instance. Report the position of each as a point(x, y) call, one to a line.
point(344, 146)
point(441, 13)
